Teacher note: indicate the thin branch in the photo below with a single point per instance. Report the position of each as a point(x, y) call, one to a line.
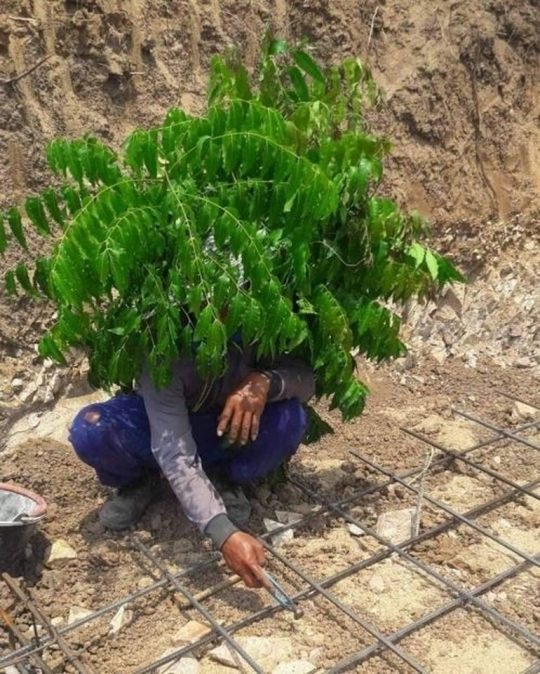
point(15, 79)
point(371, 29)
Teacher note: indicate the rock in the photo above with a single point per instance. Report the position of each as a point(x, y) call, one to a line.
point(268, 652)
point(121, 618)
point(280, 538)
point(524, 412)
point(439, 354)
point(406, 363)
point(77, 613)
point(294, 667)
point(396, 525)
point(17, 385)
point(354, 529)
point(189, 633)
point(446, 313)
point(287, 517)
point(34, 419)
point(56, 622)
point(523, 362)
point(56, 383)
point(187, 664)
point(28, 393)
point(59, 553)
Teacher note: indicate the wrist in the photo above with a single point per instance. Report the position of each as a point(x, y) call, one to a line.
point(274, 383)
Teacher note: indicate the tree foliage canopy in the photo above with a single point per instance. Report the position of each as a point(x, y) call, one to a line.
point(261, 215)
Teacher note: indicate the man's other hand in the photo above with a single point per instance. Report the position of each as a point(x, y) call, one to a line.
point(243, 408)
point(245, 556)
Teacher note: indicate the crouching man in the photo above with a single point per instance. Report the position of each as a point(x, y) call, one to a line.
point(206, 437)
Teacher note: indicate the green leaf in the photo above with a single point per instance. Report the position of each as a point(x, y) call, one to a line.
point(299, 84)
point(9, 280)
point(308, 65)
point(3, 235)
point(21, 272)
point(432, 265)
point(36, 213)
point(417, 252)
point(15, 224)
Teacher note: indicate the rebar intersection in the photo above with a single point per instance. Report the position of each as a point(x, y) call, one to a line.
point(30, 655)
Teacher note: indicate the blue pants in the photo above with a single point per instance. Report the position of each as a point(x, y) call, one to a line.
point(114, 439)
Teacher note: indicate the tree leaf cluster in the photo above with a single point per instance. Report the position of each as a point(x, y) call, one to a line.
point(260, 217)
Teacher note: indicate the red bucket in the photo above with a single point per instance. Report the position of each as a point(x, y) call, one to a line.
point(20, 512)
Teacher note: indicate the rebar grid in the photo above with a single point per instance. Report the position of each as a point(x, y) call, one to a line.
point(384, 643)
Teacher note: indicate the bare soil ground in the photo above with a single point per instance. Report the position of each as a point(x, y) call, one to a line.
point(462, 88)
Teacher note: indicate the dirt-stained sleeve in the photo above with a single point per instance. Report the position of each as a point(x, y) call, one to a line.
point(291, 378)
point(176, 453)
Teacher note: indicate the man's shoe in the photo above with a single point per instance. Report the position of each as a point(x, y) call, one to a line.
point(128, 505)
point(233, 497)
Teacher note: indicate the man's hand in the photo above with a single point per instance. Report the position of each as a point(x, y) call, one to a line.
point(243, 408)
point(245, 556)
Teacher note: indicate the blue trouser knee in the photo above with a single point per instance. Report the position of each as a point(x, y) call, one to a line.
point(114, 439)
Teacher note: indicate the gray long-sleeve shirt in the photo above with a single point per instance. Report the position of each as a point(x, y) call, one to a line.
point(173, 444)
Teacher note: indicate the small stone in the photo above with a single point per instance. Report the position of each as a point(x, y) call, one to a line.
point(396, 525)
point(439, 354)
point(59, 553)
point(268, 652)
point(121, 618)
point(28, 393)
point(33, 420)
point(17, 385)
point(294, 667)
point(523, 362)
point(524, 412)
point(57, 622)
point(56, 383)
point(77, 613)
point(189, 633)
point(287, 517)
point(185, 665)
point(376, 583)
point(280, 538)
point(354, 529)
